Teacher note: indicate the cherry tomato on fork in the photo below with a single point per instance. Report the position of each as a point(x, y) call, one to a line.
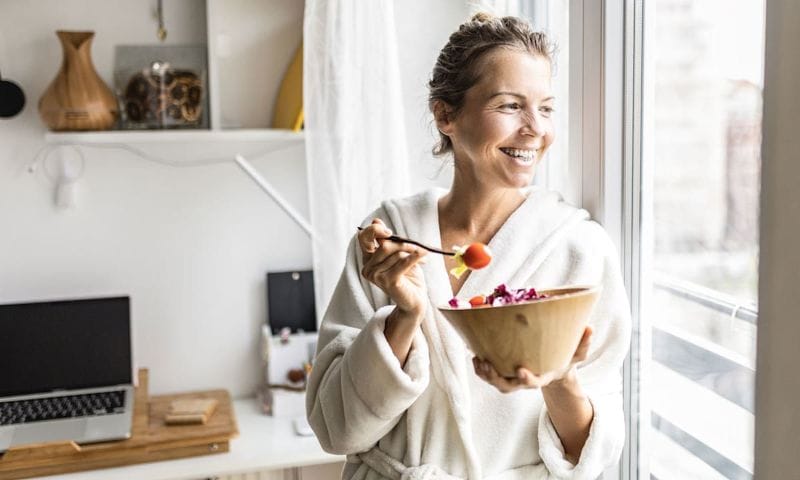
point(472, 257)
point(476, 256)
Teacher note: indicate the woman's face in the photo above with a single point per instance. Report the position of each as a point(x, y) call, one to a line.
point(505, 125)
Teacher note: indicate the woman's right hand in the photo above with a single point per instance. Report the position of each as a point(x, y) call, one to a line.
point(394, 268)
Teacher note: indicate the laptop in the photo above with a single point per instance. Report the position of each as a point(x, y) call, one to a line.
point(66, 371)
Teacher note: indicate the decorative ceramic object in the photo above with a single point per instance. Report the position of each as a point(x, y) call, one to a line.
point(540, 335)
point(77, 99)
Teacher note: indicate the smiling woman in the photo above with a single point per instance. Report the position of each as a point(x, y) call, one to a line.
point(504, 126)
point(394, 387)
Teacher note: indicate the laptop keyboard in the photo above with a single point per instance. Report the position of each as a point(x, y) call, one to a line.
point(54, 408)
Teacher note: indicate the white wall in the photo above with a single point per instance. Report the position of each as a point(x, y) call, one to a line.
point(190, 246)
point(777, 378)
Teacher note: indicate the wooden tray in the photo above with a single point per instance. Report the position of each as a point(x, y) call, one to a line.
point(151, 440)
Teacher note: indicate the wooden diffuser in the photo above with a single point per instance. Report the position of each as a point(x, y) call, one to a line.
point(77, 99)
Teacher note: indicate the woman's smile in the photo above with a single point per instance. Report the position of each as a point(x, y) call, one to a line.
point(523, 157)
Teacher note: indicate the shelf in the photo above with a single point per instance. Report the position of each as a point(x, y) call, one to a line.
point(172, 136)
point(264, 444)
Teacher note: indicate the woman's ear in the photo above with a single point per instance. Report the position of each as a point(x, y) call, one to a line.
point(443, 116)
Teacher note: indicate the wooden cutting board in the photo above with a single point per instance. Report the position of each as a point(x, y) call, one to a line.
point(151, 439)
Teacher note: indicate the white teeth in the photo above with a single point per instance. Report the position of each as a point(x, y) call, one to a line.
point(523, 154)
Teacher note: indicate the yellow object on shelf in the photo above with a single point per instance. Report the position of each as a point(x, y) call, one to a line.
point(289, 107)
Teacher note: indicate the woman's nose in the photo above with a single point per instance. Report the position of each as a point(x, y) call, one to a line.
point(531, 125)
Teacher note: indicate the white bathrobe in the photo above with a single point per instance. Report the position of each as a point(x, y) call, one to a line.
point(434, 418)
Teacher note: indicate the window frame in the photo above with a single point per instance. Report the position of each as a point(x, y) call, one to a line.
point(777, 384)
point(606, 38)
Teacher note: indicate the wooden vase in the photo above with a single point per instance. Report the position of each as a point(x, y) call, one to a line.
point(77, 99)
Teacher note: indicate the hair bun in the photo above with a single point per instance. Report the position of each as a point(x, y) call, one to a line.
point(483, 17)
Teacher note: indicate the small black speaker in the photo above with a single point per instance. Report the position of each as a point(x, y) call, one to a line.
point(290, 301)
point(12, 99)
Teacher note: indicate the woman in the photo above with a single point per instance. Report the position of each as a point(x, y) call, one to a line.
point(393, 386)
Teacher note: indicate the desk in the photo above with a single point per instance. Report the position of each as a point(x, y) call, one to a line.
point(264, 443)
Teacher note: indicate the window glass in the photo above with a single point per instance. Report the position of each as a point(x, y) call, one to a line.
point(703, 85)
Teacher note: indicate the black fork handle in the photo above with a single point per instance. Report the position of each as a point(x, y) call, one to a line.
point(398, 239)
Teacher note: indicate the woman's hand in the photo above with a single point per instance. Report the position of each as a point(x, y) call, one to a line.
point(527, 379)
point(393, 267)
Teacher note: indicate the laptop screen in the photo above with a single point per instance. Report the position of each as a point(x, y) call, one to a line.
point(65, 344)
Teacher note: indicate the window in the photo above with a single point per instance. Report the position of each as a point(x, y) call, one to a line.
point(664, 142)
point(702, 63)
point(552, 17)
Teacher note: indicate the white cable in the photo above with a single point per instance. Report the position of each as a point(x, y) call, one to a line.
point(184, 164)
point(44, 149)
point(65, 180)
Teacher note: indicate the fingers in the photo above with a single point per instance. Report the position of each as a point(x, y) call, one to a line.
point(369, 236)
point(374, 247)
point(524, 379)
point(386, 251)
point(486, 371)
point(390, 271)
point(377, 251)
point(386, 270)
point(376, 268)
point(531, 380)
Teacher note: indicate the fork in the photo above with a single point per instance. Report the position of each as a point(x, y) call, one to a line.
point(399, 239)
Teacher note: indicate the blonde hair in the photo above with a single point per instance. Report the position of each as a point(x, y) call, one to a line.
point(457, 67)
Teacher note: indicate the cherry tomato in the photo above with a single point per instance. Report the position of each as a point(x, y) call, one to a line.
point(476, 256)
point(477, 300)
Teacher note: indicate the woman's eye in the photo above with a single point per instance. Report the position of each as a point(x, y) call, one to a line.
point(546, 110)
point(511, 106)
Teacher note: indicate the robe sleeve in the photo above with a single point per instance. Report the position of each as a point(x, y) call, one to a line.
point(357, 390)
point(600, 374)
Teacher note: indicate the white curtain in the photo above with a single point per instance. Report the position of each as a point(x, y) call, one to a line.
point(356, 151)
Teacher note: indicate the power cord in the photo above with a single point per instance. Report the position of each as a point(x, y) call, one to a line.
point(68, 173)
point(154, 158)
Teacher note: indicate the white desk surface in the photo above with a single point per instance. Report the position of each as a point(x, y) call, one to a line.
point(264, 443)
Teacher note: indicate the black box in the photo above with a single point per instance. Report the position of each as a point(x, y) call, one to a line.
point(290, 301)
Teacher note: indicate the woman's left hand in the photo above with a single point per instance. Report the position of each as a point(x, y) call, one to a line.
point(527, 379)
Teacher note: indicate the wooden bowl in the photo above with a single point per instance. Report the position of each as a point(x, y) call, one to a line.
point(540, 335)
